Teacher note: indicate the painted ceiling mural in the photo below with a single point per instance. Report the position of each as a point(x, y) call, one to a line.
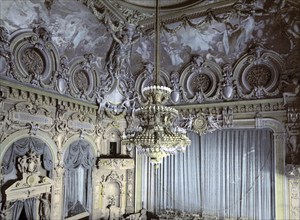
point(246, 46)
point(75, 30)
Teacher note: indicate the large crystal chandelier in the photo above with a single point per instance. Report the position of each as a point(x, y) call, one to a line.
point(159, 136)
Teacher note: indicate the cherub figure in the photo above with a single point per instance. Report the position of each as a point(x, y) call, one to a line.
point(213, 123)
point(188, 122)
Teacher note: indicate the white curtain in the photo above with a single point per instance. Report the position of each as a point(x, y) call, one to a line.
point(225, 174)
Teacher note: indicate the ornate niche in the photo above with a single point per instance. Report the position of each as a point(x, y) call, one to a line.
point(200, 80)
point(114, 177)
point(257, 74)
point(83, 78)
point(116, 186)
point(112, 143)
point(35, 56)
point(26, 184)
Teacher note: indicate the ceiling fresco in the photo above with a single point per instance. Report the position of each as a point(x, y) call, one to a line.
point(74, 29)
point(218, 37)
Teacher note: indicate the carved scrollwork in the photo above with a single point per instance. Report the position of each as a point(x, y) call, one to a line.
point(81, 122)
point(83, 78)
point(4, 36)
point(257, 73)
point(201, 123)
point(27, 115)
point(60, 121)
point(32, 107)
point(200, 80)
point(34, 56)
point(61, 76)
point(294, 192)
point(116, 164)
point(115, 177)
point(293, 138)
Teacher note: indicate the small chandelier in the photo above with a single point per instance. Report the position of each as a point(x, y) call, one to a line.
point(159, 136)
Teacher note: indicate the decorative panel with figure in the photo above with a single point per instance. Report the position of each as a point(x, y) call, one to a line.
point(26, 183)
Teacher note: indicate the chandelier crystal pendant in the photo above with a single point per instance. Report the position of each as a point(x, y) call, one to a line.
point(159, 137)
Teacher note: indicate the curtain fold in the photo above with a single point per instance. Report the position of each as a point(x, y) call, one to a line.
point(30, 208)
point(21, 147)
point(17, 209)
point(225, 174)
point(79, 161)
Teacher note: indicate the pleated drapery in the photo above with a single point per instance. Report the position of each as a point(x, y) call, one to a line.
point(29, 206)
point(23, 146)
point(20, 148)
point(79, 161)
point(224, 174)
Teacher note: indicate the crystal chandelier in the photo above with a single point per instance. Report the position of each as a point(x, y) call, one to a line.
point(159, 136)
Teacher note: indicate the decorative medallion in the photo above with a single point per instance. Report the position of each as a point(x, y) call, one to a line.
point(33, 61)
point(258, 75)
point(200, 124)
point(81, 80)
point(62, 85)
point(201, 83)
point(199, 80)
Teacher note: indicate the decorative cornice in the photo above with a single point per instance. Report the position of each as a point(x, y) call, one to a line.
point(246, 106)
point(168, 16)
point(49, 94)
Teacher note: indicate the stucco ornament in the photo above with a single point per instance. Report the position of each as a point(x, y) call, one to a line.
point(62, 76)
point(228, 86)
point(118, 59)
point(175, 94)
point(200, 124)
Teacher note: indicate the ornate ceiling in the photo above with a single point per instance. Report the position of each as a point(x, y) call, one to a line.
point(222, 40)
